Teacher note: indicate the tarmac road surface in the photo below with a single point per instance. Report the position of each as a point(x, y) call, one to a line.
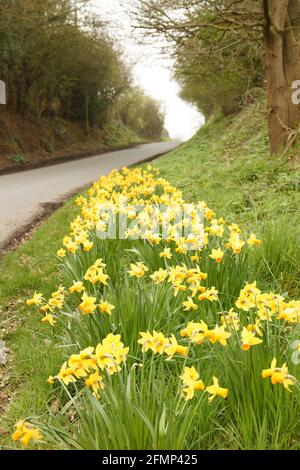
point(24, 195)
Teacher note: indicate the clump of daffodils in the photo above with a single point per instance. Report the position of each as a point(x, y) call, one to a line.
point(279, 375)
point(192, 383)
point(198, 331)
point(92, 363)
point(182, 246)
point(26, 432)
point(158, 343)
point(185, 226)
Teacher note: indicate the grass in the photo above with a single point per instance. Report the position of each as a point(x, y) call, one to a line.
point(31, 266)
point(227, 165)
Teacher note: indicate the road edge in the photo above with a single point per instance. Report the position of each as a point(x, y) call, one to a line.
point(20, 236)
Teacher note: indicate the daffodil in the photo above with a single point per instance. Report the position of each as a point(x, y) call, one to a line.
point(95, 382)
point(111, 353)
point(231, 320)
point(25, 432)
point(87, 246)
point(196, 332)
point(189, 304)
point(146, 341)
point(66, 374)
point(159, 342)
point(137, 270)
point(218, 334)
point(217, 255)
point(244, 303)
point(56, 302)
point(253, 240)
point(106, 307)
point(235, 243)
point(76, 287)
point(279, 375)
point(249, 339)
point(49, 319)
point(172, 347)
point(166, 253)
point(61, 253)
point(215, 390)
point(209, 294)
point(159, 276)
point(95, 273)
point(191, 382)
point(256, 327)
point(37, 299)
point(88, 304)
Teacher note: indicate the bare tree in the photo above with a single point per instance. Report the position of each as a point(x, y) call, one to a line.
point(219, 25)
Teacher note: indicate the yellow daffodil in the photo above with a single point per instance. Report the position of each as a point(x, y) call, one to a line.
point(96, 273)
point(76, 287)
point(253, 241)
point(279, 375)
point(159, 276)
point(61, 253)
point(166, 253)
point(189, 304)
point(217, 255)
point(87, 246)
point(215, 390)
point(106, 307)
point(146, 341)
point(137, 270)
point(256, 327)
point(25, 432)
point(218, 335)
point(231, 320)
point(66, 374)
point(195, 258)
point(37, 299)
point(88, 304)
point(209, 294)
point(249, 339)
point(196, 332)
point(172, 347)
point(159, 342)
point(244, 303)
point(95, 382)
point(49, 319)
point(191, 382)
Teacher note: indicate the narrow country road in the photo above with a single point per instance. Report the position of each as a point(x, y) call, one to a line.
point(24, 195)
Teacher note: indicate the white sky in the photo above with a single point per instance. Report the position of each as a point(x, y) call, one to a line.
point(151, 72)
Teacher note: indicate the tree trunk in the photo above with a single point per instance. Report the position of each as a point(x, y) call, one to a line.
point(292, 59)
point(282, 68)
point(276, 14)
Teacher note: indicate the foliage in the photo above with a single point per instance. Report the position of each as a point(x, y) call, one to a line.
point(218, 51)
point(58, 59)
point(142, 114)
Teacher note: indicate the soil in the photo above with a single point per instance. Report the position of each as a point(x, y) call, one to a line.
point(26, 144)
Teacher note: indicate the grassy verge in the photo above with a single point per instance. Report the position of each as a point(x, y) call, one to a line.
point(227, 165)
point(32, 266)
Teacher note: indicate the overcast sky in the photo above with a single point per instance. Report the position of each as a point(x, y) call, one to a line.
point(151, 72)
